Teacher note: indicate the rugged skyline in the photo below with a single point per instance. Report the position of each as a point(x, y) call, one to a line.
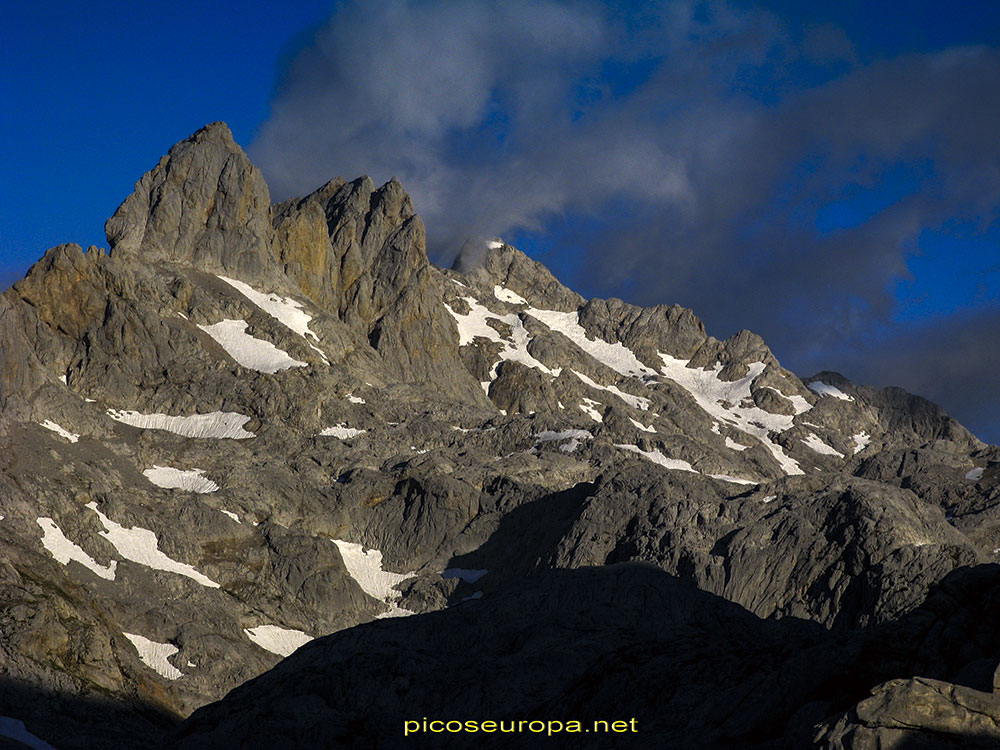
point(826, 178)
point(259, 430)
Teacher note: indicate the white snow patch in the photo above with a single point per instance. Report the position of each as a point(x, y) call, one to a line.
point(799, 403)
point(735, 480)
point(63, 550)
point(817, 444)
point(769, 499)
point(285, 310)
point(15, 729)
point(48, 424)
point(154, 655)
point(355, 399)
point(141, 546)
point(342, 431)
point(473, 325)
point(466, 574)
point(974, 474)
point(251, 352)
point(675, 463)
point(587, 407)
point(641, 426)
point(182, 315)
point(861, 441)
point(217, 424)
point(63, 379)
point(394, 611)
point(722, 400)
point(636, 402)
point(231, 515)
point(573, 436)
point(365, 567)
point(616, 355)
point(658, 458)
point(733, 445)
point(189, 480)
point(715, 428)
point(280, 641)
point(825, 389)
point(507, 295)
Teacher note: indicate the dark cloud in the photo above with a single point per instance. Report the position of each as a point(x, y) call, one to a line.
point(678, 152)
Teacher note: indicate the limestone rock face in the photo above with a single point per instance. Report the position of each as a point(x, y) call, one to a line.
point(204, 204)
point(250, 429)
point(919, 713)
point(360, 252)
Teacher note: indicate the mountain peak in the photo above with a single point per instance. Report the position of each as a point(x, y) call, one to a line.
point(203, 204)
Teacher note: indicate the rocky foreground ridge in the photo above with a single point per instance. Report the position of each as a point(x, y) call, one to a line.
point(251, 429)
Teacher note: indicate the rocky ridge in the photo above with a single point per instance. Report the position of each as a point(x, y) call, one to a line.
point(247, 426)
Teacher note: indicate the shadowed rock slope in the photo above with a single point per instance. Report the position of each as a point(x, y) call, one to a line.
point(246, 426)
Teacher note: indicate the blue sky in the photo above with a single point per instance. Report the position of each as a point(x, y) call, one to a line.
point(825, 174)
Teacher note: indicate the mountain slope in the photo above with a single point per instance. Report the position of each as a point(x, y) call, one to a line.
point(250, 425)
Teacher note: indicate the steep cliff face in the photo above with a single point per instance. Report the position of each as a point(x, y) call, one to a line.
point(204, 204)
point(360, 252)
point(250, 426)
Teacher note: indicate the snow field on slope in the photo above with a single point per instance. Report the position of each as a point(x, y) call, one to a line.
point(473, 325)
point(574, 437)
point(342, 431)
point(825, 389)
point(217, 424)
point(861, 441)
point(799, 403)
point(366, 569)
point(48, 424)
point(709, 392)
point(640, 426)
point(588, 407)
point(141, 546)
point(154, 655)
point(280, 641)
point(507, 295)
point(816, 443)
point(636, 402)
point(658, 458)
point(616, 356)
point(63, 550)
point(189, 480)
point(677, 464)
point(285, 310)
point(249, 351)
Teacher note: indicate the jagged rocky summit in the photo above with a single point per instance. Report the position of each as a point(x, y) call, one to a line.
point(251, 431)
